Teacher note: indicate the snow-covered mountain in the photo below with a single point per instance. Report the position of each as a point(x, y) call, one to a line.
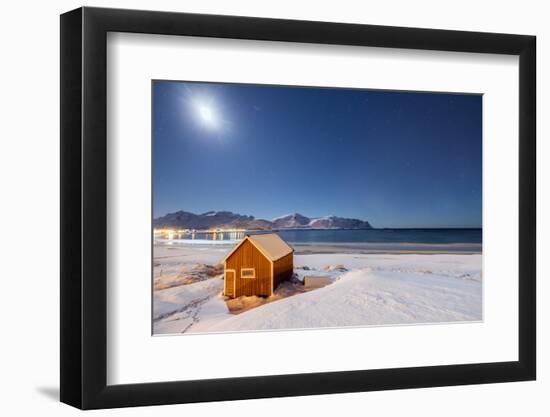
point(226, 220)
point(333, 222)
point(299, 221)
point(211, 219)
point(290, 221)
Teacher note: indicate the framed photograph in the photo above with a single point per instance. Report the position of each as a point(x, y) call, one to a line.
point(258, 208)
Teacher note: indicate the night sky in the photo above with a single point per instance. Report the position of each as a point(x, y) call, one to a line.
point(396, 159)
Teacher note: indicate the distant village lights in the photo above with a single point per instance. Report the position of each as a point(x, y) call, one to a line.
point(171, 235)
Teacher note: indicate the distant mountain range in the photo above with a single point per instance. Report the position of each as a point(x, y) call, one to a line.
point(228, 220)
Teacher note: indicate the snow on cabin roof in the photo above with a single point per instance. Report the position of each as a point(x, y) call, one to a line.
point(270, 244)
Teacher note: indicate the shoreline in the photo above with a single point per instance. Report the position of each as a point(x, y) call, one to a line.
point(303, 248)
point(389, 248)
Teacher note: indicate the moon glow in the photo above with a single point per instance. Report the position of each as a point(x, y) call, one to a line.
point(207, 116)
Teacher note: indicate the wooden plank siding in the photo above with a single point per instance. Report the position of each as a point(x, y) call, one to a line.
point(248, 256)
point(283, 269)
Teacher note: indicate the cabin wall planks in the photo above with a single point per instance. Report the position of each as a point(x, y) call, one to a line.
point(283, 269)
point(267, 260)
point(248, 256)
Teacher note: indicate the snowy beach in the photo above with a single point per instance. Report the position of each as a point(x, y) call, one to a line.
point(360, 286)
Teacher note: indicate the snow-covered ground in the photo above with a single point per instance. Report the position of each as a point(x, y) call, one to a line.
point(366, 289)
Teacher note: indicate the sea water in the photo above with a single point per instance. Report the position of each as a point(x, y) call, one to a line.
point(339, 236)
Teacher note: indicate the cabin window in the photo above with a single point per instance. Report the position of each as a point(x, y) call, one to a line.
point(248, 273)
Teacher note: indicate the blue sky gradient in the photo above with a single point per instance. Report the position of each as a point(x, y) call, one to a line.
point(396, 159)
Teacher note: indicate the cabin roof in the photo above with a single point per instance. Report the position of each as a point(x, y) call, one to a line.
point(270, 245)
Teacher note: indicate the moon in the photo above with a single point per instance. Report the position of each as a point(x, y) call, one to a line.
point(207, 115)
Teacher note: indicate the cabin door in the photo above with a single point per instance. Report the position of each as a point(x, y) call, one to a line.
point(229, 285)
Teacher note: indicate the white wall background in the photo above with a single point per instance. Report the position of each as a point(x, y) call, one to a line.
point(29, 176)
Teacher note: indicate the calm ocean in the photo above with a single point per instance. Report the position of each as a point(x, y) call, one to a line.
point(433, 236)
point(420, 236)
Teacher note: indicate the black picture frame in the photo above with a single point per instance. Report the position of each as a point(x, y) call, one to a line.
point(84, 207)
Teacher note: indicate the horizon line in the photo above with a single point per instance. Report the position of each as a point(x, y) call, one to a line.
point(331, 215)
